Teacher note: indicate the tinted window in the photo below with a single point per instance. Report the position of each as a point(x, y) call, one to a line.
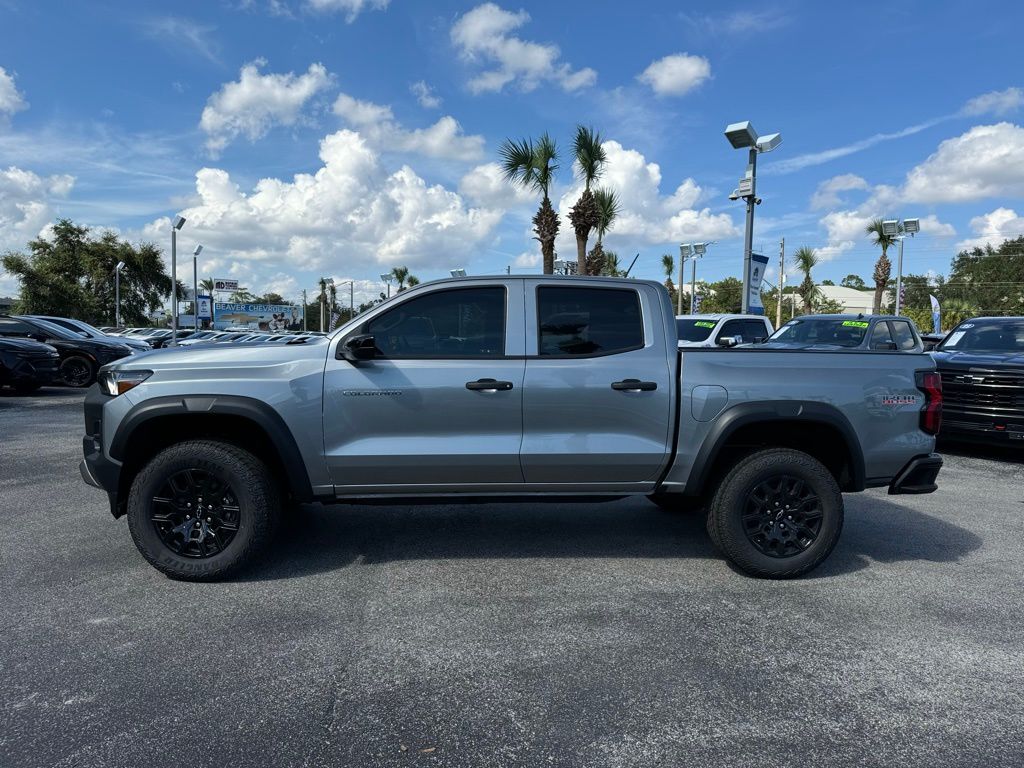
point(880, 335)
point(732, 328)
point(694, 330)
point(904, 336)
point(838, 331)
point(589, 321)
point(12, 327)
point(464, 322)
point(754, 330)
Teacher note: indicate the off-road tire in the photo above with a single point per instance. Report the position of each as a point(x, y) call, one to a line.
point(259, 508)
point(733, 497)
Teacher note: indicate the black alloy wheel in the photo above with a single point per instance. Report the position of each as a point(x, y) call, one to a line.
point(195, 513)
point(782, 516)
point(76, 371)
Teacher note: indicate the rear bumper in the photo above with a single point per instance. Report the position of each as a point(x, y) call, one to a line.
point(918, 476)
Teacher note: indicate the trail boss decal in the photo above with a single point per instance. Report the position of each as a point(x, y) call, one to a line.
point(899, 399)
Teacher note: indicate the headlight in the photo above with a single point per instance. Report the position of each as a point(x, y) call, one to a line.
point(116, 383)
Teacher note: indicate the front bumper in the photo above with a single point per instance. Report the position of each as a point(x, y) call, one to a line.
point(983, 430)
point(918, 476)
point(97, 469)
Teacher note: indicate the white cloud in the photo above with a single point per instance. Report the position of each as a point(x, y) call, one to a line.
point(647, 216)
point(993, 228)
point(737, 23)
point(255, 103)
point(996, 103)
point(485, 185)
point(986, 161)
point(425, 95)
point(527, 260)
point(179, 32)
point(351, 214)
point(827, 193)
point(11, 100)
point(676, 75)
point(846, 230)
point(351, 8)
point(482, 34)
point(377, 124)
point(26, 210)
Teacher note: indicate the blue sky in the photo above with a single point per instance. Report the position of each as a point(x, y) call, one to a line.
point(344, 137)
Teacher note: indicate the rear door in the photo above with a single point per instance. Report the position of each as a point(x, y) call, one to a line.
point(440, 406)
point(597, 399)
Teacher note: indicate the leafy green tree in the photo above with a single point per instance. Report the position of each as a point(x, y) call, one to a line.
point(990, 279)
point(608, 209)
point(585, 215)
point(955, 311)
point(827, 282)
point(610, 267)
point(825, 306)
point(271, 298)
point(724, 296)
point(883, 267)
point(806, 259)
point(853, 281)
point(533, 165)
point(70, 273)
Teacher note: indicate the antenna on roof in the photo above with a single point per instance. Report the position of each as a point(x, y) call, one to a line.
point(632, 263)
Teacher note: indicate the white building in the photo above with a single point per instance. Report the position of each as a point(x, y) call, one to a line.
point(852, 300)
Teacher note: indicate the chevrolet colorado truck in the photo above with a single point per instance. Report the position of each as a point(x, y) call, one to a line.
point(505, 388)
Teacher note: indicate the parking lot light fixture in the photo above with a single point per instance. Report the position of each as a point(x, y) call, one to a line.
point(176, 224)
point(117, 293)
point(195, 289)
point(387, 277)
point(743, 136)
point(899, 230)
point(458, 272)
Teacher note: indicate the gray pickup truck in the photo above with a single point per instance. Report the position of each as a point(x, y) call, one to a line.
point(506, 388)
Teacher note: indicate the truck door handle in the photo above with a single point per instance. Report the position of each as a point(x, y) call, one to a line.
point(634, 385)
point(489, 385)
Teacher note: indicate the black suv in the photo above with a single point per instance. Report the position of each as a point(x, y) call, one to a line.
point(27, 365)
point(982, 366)
point(80, 358)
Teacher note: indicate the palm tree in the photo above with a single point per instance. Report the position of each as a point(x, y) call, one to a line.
point(806, 259)
point(668, 266)
point(883, 267)
point(611, 265)
point(533, 166)
point(207, 285)
point(608, 208)
point(590, 157)
point(403, 278)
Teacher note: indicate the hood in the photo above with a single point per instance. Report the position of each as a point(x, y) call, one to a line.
point(24, 345)
point(968, 359)
point(225, 356)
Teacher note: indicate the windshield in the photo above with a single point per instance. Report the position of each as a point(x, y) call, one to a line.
point(838, 331)
point(694, 330)
point(986, 336)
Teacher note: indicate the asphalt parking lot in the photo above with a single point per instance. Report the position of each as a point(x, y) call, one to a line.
point(508, 635)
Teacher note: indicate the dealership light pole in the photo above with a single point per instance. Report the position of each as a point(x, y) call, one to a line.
point(351, 297)
point(692, 251)
point(304, 305)
point(117, 293)
point(195, 289)
point(894, 228)
point(743, 136)
point(178, 223)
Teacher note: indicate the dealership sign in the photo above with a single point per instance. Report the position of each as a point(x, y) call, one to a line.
point(263, 317)
point(221, 284)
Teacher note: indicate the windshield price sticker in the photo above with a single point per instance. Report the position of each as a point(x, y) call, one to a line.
point(954, 338)
point(704, 324)
point(854, 324)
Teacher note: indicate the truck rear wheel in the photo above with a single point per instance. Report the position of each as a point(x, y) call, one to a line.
point(777, 514)
point(201, 510)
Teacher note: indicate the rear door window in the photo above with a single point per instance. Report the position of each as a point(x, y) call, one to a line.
point(578, 322)
point(880, 335)
point(903, 335)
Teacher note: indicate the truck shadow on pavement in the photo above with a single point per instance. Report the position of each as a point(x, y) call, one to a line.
point(1007, 454)
point(321, 539)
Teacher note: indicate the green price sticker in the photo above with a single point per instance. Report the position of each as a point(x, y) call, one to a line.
point(704, 324)
point(855, 324)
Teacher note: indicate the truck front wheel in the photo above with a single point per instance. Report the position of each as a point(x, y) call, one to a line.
point(201, 510)
point(777, 514)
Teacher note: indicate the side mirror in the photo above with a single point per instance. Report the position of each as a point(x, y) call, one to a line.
point(358, 348)
point(760, 339)
point(730, 341)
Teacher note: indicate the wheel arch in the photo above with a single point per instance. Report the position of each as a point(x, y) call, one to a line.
point(815, 428)
point(245, 422)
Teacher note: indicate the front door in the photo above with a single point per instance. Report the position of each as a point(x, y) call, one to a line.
point(440, 404)
point(597, 408)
